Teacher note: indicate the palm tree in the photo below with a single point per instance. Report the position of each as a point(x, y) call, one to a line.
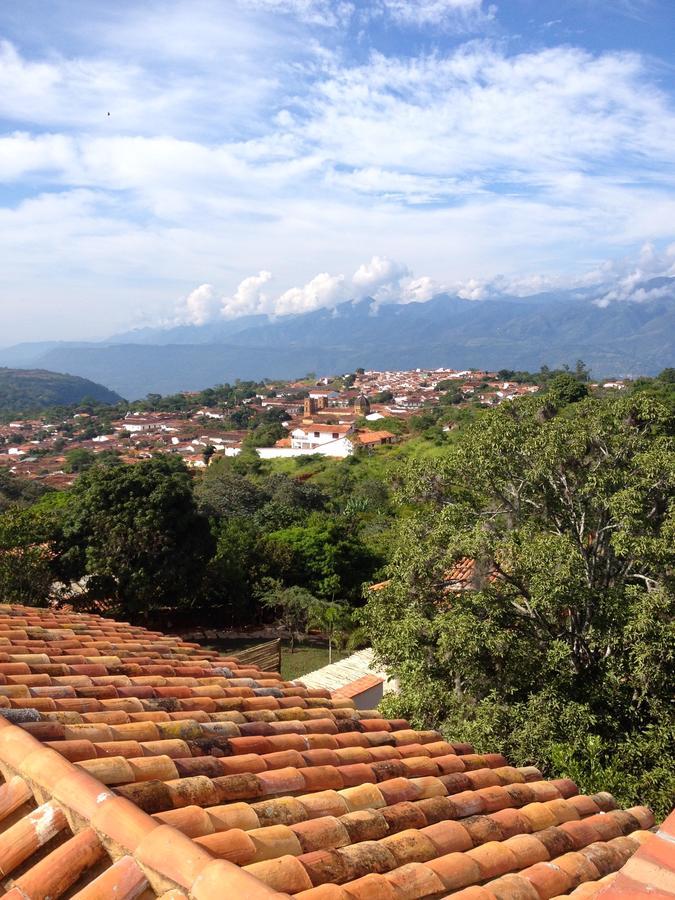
point(334, 619)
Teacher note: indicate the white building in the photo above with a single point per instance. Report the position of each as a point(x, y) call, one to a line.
point(317, 393)
point(331, 440)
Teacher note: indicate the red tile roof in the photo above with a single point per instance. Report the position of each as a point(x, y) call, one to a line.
point(326, 429)
point(354, 688)
point(465, 573)
point(374, 437)
point(650, 873)
point(135, 764)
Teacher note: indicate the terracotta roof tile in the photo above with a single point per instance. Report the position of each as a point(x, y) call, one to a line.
point(135, 764)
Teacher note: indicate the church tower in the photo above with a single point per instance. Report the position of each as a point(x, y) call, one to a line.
point(362, 405)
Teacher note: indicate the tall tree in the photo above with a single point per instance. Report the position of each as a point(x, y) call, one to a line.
point(137, 535)
point(566, 629)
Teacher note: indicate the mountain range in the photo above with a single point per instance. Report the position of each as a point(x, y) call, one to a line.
point(623, 338)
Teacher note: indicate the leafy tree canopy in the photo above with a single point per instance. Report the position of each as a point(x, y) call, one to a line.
point(567, 631)
point(25, 556)
point(137, 535)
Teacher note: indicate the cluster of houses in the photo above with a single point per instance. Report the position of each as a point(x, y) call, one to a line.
point(332, 417)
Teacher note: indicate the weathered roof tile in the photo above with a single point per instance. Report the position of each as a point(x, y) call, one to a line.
point(152, 766)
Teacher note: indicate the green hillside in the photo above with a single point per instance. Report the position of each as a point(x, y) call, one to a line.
point(22, 390)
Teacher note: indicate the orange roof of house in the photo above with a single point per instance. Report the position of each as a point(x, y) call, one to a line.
point(354, 688)
point(326, 429)
point(374, 437)
point(650, 873)
point(461, 575)
point(464, 572)
point(380, 586)
point(136, 764)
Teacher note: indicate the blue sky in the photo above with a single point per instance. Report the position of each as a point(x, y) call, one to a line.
point(282, 155)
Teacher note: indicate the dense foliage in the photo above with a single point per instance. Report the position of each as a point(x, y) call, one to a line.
point(153, 540)
point(561, 649)
point(23, 390)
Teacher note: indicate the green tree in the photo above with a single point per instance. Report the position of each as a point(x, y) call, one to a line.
point(207, 453)
point(291, 606)
point(325, 557)
point(26, 556)
point(333, 619)
point(383, 397)
point(289, 502)
point(567, 632)
point(224, 493)
point(265, 435)
point(566, 388)
point(232, 574)
point(78, 460)
point(15, 491)
point(137, 535)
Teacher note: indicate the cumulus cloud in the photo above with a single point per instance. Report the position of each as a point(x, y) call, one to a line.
point(199, 307)
point(473, 289)
point(419, 290)
point(250, 297)
point(382, 279)
point(323, 290)
point(388, 281)
point(613, 280)
point(379, 276)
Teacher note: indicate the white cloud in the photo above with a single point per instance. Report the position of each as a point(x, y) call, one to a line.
point(612, 280)
point(378, 276)
point(246, 134)
point(382, 279)
point(199, 307)
point(314, 12)
point(535, 121)
point(249, 298)
point(323, 290)
point(447, 13)
point(629, 285)
point(473, 289)
point(419, 290)
point(388, 281)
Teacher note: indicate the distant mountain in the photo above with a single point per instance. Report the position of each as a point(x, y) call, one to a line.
point(23, 390)
point(213, 333)
point(622, 338)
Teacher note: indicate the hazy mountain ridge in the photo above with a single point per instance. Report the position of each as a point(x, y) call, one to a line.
point(622, 338)
point(23, 390)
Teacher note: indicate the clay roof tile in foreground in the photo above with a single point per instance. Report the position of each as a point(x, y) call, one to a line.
point(137, 765)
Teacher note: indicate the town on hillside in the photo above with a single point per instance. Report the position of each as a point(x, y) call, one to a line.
point(332, 416)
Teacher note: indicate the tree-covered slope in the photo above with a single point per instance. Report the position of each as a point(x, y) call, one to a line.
point(22, 390)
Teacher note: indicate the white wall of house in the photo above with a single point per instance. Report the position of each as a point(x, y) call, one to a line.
point(340, 449)
point(279, 452)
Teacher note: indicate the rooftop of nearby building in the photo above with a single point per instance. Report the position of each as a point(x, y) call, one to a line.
point(136, 764)
point(342, 676)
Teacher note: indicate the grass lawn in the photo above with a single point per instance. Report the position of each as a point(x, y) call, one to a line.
point(308, 655)
point(306, 658)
